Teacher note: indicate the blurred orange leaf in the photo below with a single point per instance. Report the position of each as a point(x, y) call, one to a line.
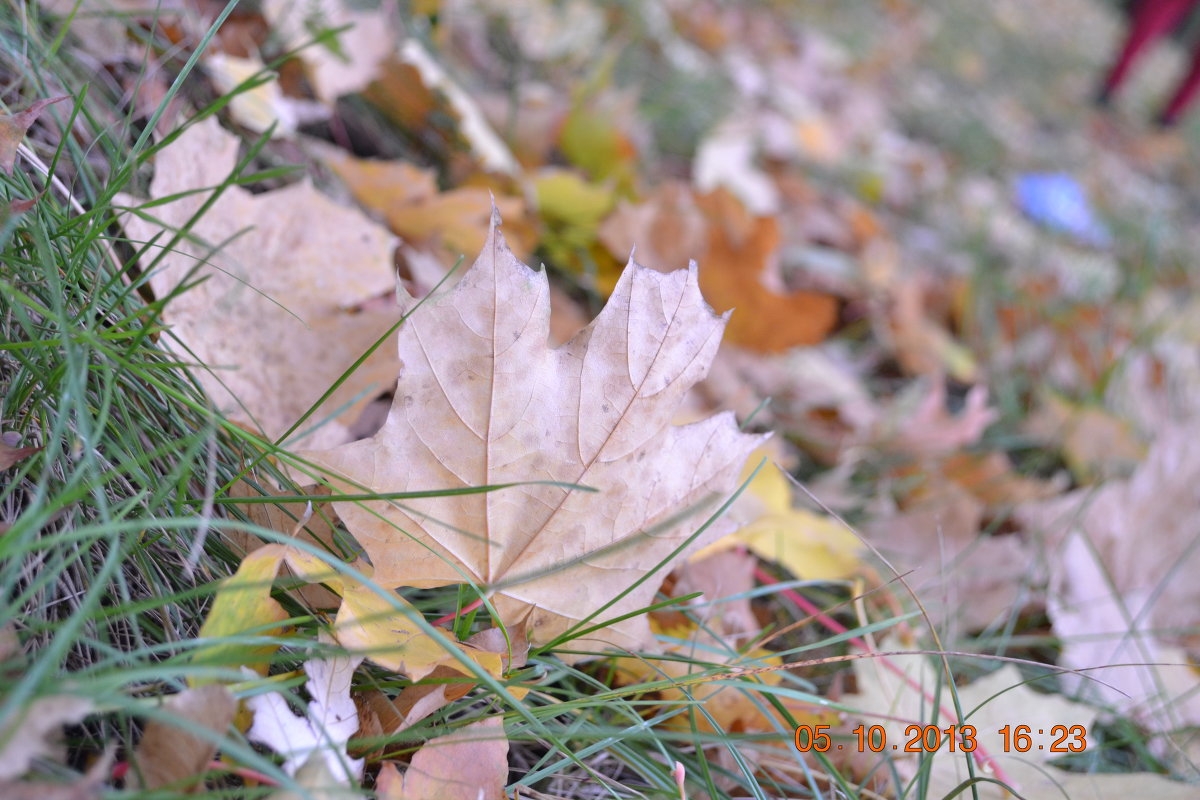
point(740, 249)
point(407, 198)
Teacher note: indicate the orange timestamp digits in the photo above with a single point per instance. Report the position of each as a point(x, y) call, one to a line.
point(929, 738)
point(1067, 739)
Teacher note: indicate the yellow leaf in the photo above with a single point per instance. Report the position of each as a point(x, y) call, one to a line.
point(591, 140)
point(566, 199)
point(380, 628)
point(572, 209)
point(811, 546)
point(370, 625)
point(242, 606)
point(731, 708)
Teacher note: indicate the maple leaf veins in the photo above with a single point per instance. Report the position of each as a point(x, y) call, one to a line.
point(484, 400)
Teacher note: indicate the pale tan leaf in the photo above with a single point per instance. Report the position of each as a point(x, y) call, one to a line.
point(259, 108)
point(317, 782)
point(469, 764)
point(961, 575)
point(170, 753)
point(1095, 443)
point(288, 272)
point(1122, 587)
point(30, 731)
point(718, 577)
point(1044, 782)
point(485, 401)
point(667, 229)
point(901, 693)
point(348, 62)
point(89, 786)
point(921, 424)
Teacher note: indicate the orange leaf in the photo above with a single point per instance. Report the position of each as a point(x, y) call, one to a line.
point(740, 247)
point(407, 198)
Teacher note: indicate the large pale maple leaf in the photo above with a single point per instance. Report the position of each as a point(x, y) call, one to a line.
point(483, 400)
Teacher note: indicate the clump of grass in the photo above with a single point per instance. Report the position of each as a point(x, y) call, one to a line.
point(115, 532)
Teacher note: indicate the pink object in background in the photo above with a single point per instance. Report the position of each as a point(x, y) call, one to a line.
point(1150, 20)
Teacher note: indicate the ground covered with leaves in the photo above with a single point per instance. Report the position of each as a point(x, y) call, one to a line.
point(578, 399)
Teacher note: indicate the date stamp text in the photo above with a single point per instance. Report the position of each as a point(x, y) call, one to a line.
point(930, 738)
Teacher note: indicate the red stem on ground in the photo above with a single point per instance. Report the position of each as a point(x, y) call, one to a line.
point(467, 609)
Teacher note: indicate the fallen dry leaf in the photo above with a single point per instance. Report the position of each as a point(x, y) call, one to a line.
point(594, 135)
point(317, 782)
point(720, 707)
point(382, 716)
point(330, 722)
point(488, 147)
point(485, 402)
point(169, 753)
point(1096, 444)
point(349, 61)
point(13, 128)
point(258, 108)
point(667, 229)
point(811, 546)
point(469, 764)
point(991, 479)
point(920, 424)
point(571, 209)
point(30, 731)
point(721, 577)
point(314, 525)
point(1122, 591)
point(407, 198)
point(885, 697)
point(1047, 782)
point(923, 345)
point(819, 390)
point(277, 319)
point(10, 454)
point(89, 786)
point(961, 575)
point(740, 248)
point(376, 625)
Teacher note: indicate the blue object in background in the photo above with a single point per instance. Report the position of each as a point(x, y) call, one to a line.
point(1056, 201)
